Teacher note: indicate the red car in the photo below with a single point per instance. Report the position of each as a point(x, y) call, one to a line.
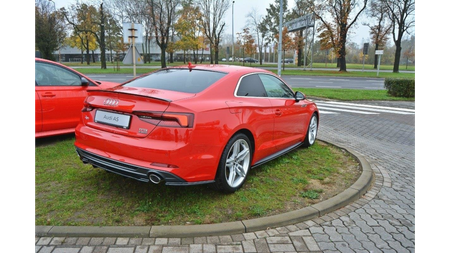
point(59, 95)
point(194, 125)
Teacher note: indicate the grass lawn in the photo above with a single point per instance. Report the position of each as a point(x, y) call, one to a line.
point(71, 193)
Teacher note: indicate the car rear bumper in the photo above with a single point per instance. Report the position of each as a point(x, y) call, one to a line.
point(168, 154)
point(133, 171)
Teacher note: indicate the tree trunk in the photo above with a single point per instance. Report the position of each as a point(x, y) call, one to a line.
point(102, 39)
point(341, 51)
point(163, 57)
point(88, 60)
point(398, 51)
point(216, 54)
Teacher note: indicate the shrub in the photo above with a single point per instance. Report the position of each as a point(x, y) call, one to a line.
point(400, 87)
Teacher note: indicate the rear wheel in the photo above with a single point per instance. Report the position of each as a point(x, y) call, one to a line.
point(234, 164)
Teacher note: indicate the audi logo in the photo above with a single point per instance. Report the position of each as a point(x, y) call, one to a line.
point(111, 102)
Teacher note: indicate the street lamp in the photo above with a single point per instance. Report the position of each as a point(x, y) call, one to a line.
point(232, 30)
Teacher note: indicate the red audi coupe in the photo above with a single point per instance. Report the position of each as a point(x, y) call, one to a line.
point(59, 95)
point(190, 125)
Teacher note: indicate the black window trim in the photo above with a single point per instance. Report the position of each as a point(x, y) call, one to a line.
point(260, 73)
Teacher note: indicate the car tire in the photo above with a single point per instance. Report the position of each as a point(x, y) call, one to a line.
point(311, 134)
point(234, 164)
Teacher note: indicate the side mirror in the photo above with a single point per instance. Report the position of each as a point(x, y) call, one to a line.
point(84, 82)
point(299, 96)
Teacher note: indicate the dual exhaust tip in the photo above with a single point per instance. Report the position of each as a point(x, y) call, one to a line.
point(155, 178)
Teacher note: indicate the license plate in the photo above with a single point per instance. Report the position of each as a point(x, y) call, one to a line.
point(113, 119)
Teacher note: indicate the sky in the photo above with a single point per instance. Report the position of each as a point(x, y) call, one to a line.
point(242, 8)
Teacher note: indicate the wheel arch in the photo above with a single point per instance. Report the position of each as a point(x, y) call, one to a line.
point(250, 136)
point(246, 132)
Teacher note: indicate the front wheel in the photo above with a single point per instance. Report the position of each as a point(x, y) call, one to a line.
point(312, 131)
point(234, 164)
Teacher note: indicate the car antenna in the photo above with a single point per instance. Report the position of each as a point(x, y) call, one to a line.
point(190, 66)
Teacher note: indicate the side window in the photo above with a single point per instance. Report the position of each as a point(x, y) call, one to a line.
point(51, 75)
point(275, 87)
point(251, 86)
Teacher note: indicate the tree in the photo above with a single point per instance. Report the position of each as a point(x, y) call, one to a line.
point(163, 14)
point(212, 22)
point(187, 29)
point(247, 42)
point(137, 12)
point(287, 43)
point(87, 19)
point(380, 28)
point(300, 9)
point(254, 20)
point(344, 14)
point(401, 14)
point(49, 29)
point(79, 16)
point(271, 21)
point(410, 52)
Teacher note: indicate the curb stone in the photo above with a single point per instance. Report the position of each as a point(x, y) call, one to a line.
point(353, 193)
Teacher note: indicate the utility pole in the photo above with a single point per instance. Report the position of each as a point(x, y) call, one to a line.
point(232, 31)
point(280, 37)
point(133, 36)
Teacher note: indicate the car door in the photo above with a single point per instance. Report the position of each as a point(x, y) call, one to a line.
point(38, 113)
point(255, 109)
point(61, 95)
point(290, 115)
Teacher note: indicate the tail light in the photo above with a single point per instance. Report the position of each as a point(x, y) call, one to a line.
point(167, 119)
point(87, 107)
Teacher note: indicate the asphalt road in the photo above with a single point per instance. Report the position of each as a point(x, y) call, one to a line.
point(293, 81)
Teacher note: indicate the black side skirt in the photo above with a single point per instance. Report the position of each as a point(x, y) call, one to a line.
point(276, 155)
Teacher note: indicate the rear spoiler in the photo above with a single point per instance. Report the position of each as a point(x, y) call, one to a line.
point(113, 91)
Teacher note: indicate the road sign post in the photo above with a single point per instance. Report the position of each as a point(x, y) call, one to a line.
point(379, 53)
point(365, 51)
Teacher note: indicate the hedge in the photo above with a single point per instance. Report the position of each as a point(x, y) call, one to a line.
point(398, 87)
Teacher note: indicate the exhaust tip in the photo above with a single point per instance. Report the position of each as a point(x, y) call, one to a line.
point(154, 178)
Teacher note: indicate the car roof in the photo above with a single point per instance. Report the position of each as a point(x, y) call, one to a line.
point(224, 68)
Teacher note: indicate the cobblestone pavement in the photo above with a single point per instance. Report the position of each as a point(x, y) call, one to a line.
point(382, 221)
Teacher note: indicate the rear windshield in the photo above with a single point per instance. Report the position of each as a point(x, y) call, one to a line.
point(181, 80)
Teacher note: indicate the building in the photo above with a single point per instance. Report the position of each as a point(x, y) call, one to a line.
point(71, 54)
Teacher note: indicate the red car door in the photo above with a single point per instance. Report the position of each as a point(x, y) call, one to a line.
point(38, 113)
point(289, 115)
point(255, 107)
point(61, 94)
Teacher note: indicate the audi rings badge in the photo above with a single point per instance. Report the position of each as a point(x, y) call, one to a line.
point(111, 102)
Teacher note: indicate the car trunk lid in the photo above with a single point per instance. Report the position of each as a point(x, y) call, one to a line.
point(128, 110)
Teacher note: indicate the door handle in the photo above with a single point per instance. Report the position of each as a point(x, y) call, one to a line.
point(278, 112)
point(48, 95)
